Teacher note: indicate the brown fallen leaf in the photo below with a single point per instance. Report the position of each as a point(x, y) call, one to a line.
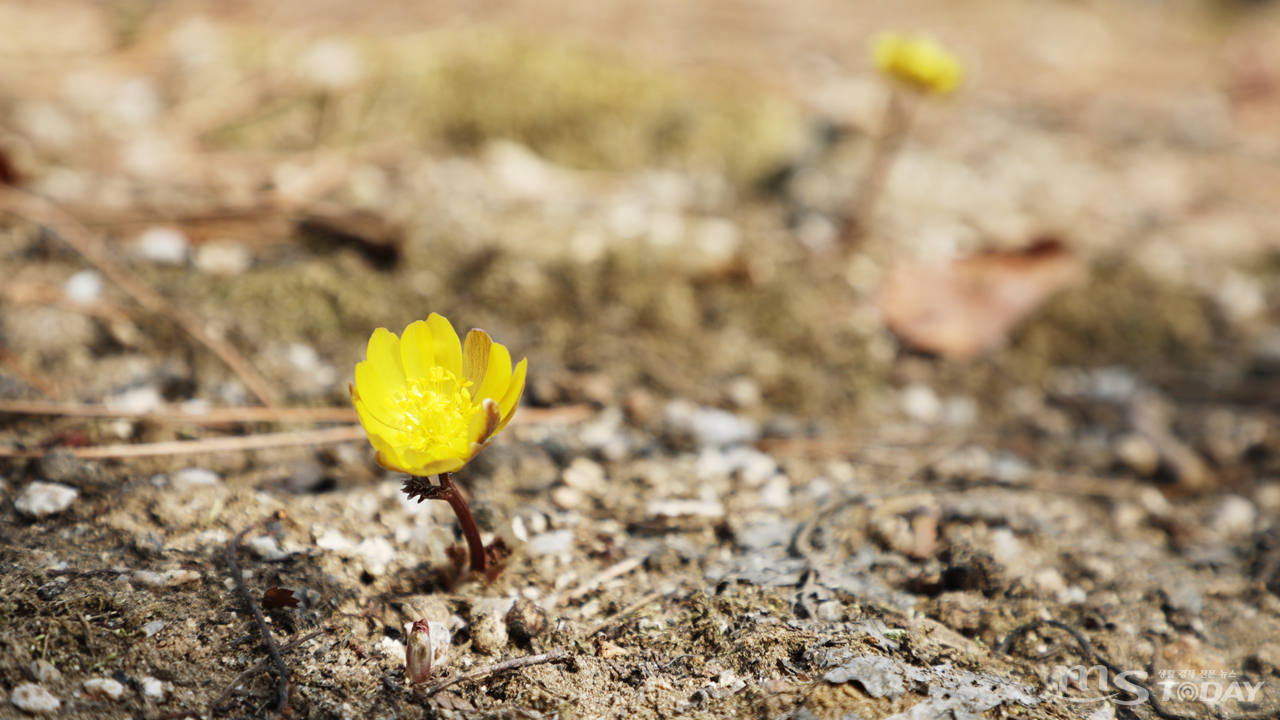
point(278, 597)
point(965, 307)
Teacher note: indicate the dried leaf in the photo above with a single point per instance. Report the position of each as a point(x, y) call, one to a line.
point(968, 306)
point(278, 597)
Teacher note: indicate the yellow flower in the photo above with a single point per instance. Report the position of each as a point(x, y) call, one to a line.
point(429, 403)
point(918, 61)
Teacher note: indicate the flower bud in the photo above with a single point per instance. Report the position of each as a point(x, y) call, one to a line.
point(427, 648)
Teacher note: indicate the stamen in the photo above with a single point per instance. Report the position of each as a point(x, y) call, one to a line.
point(435, 412)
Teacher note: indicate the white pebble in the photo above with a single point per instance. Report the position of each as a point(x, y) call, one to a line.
point(1233, 516)
point(45, 672)
point(675, 508)
point(377, 552)
point(921, 403)
point(104, 688)
point(265, 547)
point(586, 475)
point(222, 258)
point(163, 245)
point(151, 687)
point(390, 647)
point(42, 499)
point(776, 493)
point(83, 287)
point(32, 698)
point(195, 477)
point(551, 543)
point(1138, 453)
point(153, 627)
point(331, 539)
point(144, 399)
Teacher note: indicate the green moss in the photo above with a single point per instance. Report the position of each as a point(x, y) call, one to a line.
point(1121, 316)
point(458, 91)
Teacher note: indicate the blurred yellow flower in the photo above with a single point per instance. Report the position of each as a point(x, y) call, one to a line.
point(918, 61)
point(430, 403)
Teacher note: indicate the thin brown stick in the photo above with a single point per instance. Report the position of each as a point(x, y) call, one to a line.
point(893, 133)
point(213, 706)
point(562, 415)
point(210, 445)
point(281, 669)
point(513, 664)
point(29, 375)
point(209, 416)
point(626, 612)
point(615, 570)
point(47, 214)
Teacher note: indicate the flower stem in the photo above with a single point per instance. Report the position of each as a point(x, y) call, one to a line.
point(450, 493)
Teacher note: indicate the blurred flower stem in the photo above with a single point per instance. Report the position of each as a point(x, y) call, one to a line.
point(894, 129)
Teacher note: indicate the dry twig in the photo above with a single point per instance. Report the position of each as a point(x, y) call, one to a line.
point(209, 445)
point(45, 213)
point(281, 669)
point(514, 664)
point(291, 645)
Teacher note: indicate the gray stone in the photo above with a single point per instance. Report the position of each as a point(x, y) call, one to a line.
point(42, 499)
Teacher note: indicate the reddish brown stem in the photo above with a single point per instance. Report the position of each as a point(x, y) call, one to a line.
point(450, 492)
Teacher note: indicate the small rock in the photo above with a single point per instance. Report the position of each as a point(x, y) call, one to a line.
point(525, 621)
point(551, 543)
point(1138, 454)
point(331, 64)
point(390, 647)
point(45, 672)
point(222, 258)
point(152, 687)
point(84, 287)
point(41, 499)
point(143, 399)
point(377, 552)
point(921, 404)
point(776, 493)
point(195, 477)
point(585, 475)
point(167, 579)
point(1233, 517)
point(153, 627)
point(34, 699)
point(675, 508)
point(266, 547)
point(744, 392)
point(709, 427)
point(568, 498)
point(488, 630)
point(103, 688)
point(333, 540)
point(163, 245)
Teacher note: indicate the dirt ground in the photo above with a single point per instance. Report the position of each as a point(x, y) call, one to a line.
point(738, 486)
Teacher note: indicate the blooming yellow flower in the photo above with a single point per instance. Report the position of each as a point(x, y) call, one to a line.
point(429, 403)
point(918, 61)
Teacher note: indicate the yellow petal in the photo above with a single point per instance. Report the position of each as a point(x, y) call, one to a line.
point(380, 376)
point(448, 350)
point(498, 376)
point(511, 400)
point(484, 423)
point(475, 358)
point(375, 426)
point(417, 352)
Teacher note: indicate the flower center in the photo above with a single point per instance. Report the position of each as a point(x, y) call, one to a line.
point(435, 412)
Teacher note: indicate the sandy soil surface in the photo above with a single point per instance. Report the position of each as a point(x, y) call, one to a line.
point(1023, 425)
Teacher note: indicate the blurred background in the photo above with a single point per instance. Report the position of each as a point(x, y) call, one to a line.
point(804, 344)
point(647, 199)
